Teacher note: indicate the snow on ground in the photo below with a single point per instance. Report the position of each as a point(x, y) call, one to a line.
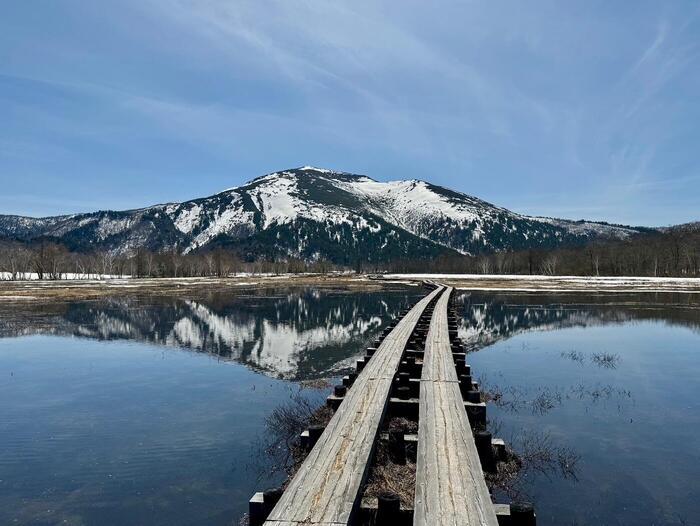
point(279, 199)
point(320, 170)
point(527, 283)
point(33, 276)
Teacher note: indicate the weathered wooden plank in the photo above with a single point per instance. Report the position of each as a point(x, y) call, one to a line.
point(438, 364)
point(326, 488)
point(298, 523)
point(450, 486)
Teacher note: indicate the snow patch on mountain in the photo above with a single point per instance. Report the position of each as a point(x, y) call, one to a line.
point(277, 198)
point(588, 227)
point(414, 205)
point(188, 218)
point(318, 212)
point(232, 218)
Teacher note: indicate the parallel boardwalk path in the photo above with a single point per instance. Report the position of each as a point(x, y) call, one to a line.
point(326, 489)
point(450, 486)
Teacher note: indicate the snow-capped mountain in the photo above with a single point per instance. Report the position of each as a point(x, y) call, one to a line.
point(312, 212)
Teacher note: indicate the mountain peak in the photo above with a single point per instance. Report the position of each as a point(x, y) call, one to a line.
point(311, 212)
point(317, 169)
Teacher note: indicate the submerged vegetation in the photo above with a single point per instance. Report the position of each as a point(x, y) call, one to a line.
point(601, 359)
point(527, 453)
point(605, 359)
point(281, 442)
point(542, 400)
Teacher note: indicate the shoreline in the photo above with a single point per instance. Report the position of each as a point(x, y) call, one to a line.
point(90, 288)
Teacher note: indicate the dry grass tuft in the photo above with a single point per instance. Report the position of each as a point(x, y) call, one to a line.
point(321, 416)
point(396, 478)
point(401, 424)
point(317, 383)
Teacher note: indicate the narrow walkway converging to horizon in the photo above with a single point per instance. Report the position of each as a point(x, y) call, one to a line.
point(325, 490)
point(415, 374)
point(450, 486)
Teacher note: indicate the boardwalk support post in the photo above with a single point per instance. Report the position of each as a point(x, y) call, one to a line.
point(270, 498)
point(261, 504)
point(397, 447)
point(482, 439)
point(473, 397)
point(465, 385)
point(522, 514)
point(388, 508)
point(349, 379)
point(403, 393)
point(256, 510)
point(315, 433)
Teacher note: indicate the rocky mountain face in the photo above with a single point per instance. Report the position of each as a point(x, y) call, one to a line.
point(315, 213)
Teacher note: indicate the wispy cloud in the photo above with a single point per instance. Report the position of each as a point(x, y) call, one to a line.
point(653, 49)
point(495, 99)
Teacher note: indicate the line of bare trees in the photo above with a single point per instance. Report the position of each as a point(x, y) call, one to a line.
point(52, 261)
point(673, 253)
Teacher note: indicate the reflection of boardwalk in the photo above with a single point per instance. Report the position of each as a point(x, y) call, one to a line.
point(421, 350)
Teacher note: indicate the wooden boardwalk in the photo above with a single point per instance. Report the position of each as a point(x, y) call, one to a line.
point(326, 489)
point(450, 486)
point(451, 449)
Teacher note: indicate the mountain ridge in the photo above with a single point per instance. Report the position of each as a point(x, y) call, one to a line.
point(314, 213)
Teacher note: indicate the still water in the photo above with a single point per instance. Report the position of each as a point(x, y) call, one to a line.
point(148, 410)
point(613, 382)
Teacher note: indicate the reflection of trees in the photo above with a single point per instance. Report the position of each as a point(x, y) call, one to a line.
point(306, 333)
point(489, 318)
point(293, 334)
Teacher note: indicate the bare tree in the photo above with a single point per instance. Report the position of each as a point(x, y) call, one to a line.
point(549, 265)
point(484, 265)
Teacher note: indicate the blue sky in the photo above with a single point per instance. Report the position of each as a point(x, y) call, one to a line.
point(586, 109)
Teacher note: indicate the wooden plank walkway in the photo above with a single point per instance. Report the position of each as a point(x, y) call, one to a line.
point(325, 490)
point(450, 486)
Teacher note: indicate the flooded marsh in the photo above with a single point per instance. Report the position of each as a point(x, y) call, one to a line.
point(152, 409)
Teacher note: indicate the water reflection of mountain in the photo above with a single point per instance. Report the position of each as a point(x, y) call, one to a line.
point(292, 334)
point(299, 334)
point(490, 317)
